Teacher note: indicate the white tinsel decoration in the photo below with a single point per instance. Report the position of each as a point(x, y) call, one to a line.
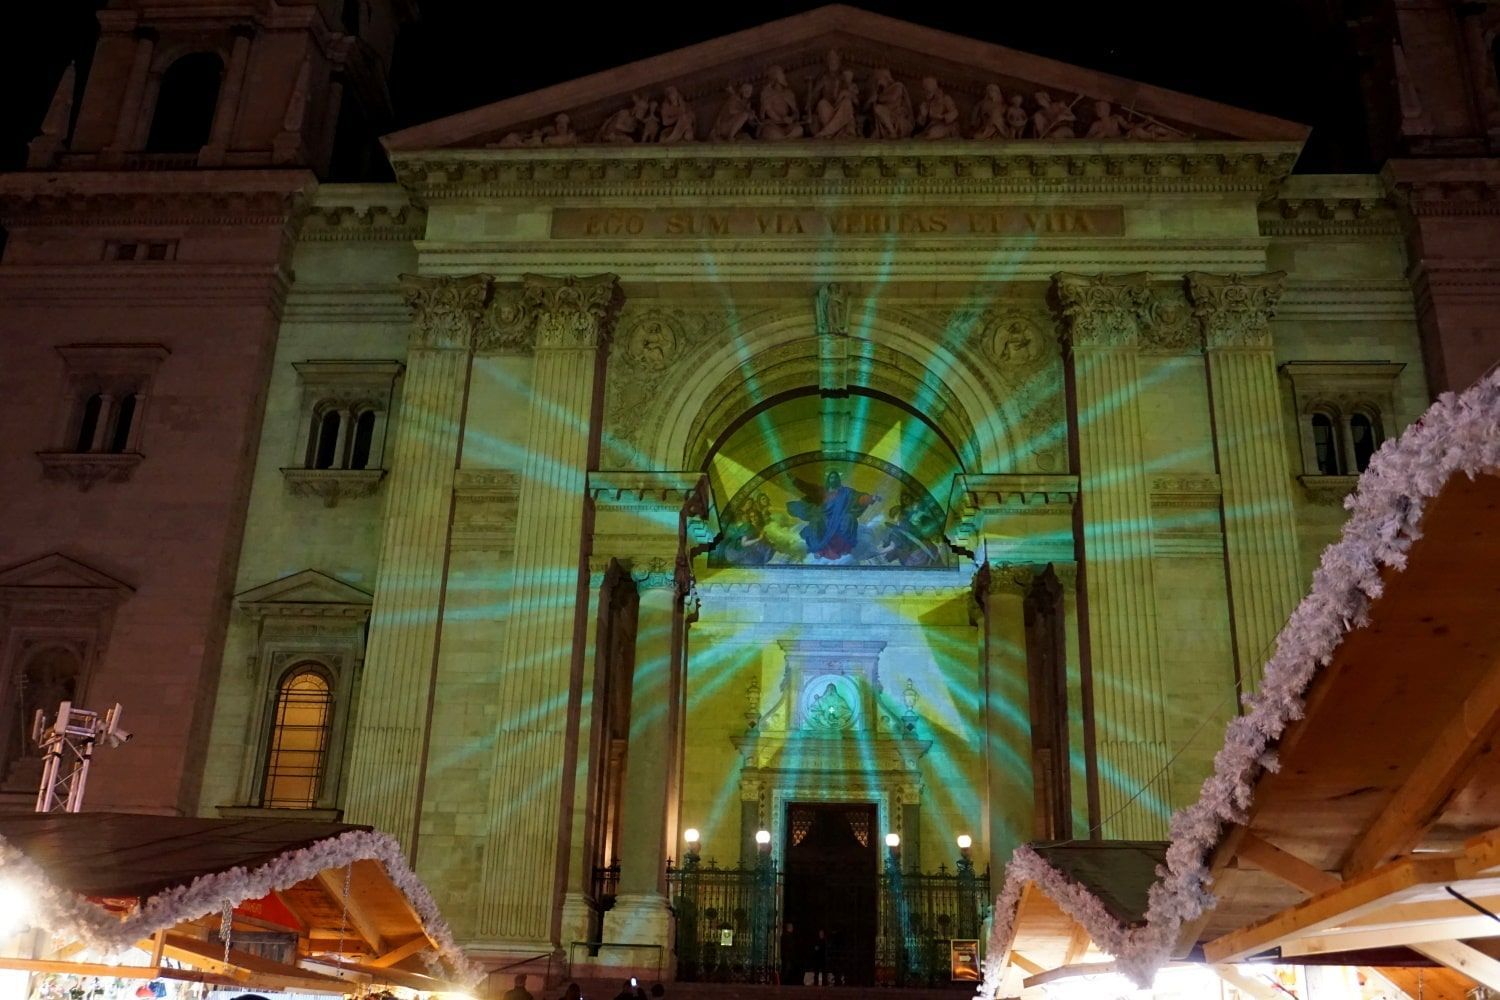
point(1459, 434)
point(66, 913)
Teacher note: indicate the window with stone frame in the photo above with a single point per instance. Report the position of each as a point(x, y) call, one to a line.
point(1344, 410)
point(106, 388)
point(344, 416)
point(308, 648)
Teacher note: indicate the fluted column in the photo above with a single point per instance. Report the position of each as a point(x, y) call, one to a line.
point(1102, 331)
point(389, 738)
point(1260, 531)
point(536, 660)
point(1001, 591)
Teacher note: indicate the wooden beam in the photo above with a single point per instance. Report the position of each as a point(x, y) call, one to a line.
point(1040, 978)
point(1461, 958)
point(332, 882)
point(1423, 932)
point(404, 951)
point(1025, 964)
point(1078, 944)
point(1399, 826)
point(1250, 987)
point(1351, 900)
point(1287, 867)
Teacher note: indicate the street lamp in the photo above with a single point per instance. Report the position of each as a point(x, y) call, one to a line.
point(763, 838)
point(691, 837)
point(760, 943)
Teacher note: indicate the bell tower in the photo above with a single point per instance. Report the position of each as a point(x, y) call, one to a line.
point(177, 84)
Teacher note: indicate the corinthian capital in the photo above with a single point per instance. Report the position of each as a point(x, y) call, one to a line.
point(659, 573)
point(1101, 310)
point(445, 311)
point(1235, 309)
point(570, 311)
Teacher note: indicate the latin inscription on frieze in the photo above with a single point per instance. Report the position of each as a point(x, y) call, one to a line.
point(812, 222)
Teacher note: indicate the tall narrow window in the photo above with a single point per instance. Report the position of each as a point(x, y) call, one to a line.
point(88, 423)
point(325, 455)
point(298, 746)
point(364, 435)
point(1325, 445)
point(124, 416)
point(1363, 433)
point(185, 103)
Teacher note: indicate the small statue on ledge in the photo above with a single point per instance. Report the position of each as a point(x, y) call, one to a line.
point(779, 116)
point(987, 117)
point(889, 105)
point(736, 116)
point(938, 114)
point(677, 119)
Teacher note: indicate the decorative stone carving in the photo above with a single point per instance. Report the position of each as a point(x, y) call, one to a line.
point(678, 122)
point(1053, 119)
point(332, 485)
point(779, 117)
point(1014, 342)
point(832, 306)
point(651, 342)
point(559, 133)
point(736, 115)
point(889, 107)
point(656, 573)
point(830, 711)
point(1167, 322)
point(84, 469)
point(987, 117)
point(570, 311)
point(1329, 490)
point(937, 116)
point(446, 311)
point(833, 101)
point(1101, 310)
point(627, 124)
point(1235, 309)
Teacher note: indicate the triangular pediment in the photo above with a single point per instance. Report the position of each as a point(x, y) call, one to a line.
point(57, 572)
point(723, 82)
point(308, 587)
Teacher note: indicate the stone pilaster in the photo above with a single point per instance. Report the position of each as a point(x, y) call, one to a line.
point(566, 319)
point(1260, 531)
point(1102, 331)
point(389, 738)
point(1001, 591)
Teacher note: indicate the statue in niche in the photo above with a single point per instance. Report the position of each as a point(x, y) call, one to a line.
point(624, 125)
point(938, 114)
point(987, 117)
point(830, 711)
point(1053, 119)
point(677, 120)
point(833, 102)
point(736, 116)
point(779, 117)
point(889, 106)
point(831, 514)
point(1016, 117)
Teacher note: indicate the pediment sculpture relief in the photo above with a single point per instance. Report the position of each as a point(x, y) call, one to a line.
point(835, 103)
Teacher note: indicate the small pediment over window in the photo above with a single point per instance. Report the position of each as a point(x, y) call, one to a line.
point(306, 593)
point(56, 575)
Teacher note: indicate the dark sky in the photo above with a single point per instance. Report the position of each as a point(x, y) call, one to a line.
point(1285, 57)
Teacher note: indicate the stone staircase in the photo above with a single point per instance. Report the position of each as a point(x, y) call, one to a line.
point(601, 989)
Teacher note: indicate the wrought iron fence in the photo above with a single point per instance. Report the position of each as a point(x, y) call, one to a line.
point(920, 915)
point(727, 922)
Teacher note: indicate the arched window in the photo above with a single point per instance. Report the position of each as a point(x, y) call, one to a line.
point(1325, 444)
point(124, 417)
point(185, 103)
point(298, 744)
point(47, 679)
point(88, 423)
point(364, 435)
point(325, 449)
point(1365, 435)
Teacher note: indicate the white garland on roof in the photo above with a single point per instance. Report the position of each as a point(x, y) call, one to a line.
point(1459, 434)
point(64, 912)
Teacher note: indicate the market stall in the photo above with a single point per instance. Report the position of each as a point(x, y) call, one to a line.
point(106, 905)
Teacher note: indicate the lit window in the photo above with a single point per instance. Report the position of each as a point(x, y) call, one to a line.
point(298, 747)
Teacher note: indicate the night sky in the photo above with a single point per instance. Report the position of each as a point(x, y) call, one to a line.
point(1289, 58)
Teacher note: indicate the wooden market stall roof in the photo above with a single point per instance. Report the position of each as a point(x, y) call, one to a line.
point(343, 893)
point(1381, 711)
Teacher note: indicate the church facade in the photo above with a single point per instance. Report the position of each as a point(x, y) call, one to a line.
point(840, 418)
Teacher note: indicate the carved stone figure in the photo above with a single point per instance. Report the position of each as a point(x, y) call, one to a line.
point(736, 116)
point(677, 119)
point(1052, 119)
point(624, 125)
point(833, 102)
point(987, 117)
point(889, 105)
point(651, 123)
point(823, 91)
point(651, 344)
point(1106, 124)
point(830, 711)
point(779, 115)
point(938, 115)
point(1144, 127)
point(559, 133)
point(1016, 117)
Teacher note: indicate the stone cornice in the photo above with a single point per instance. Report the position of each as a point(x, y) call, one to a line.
point(1445, 187)
point(1235, 309)
point(975, 493)
point(103, 198)
point(633, 490)
point(847, 168)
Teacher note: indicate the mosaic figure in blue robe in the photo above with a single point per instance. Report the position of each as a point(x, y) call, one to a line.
point(831, 514)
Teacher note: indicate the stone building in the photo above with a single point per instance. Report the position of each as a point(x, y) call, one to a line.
point(838, 422)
